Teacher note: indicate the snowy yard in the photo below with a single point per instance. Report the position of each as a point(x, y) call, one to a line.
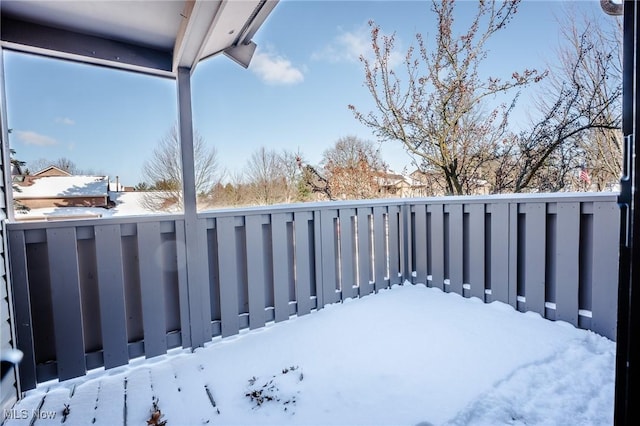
point(407, 356)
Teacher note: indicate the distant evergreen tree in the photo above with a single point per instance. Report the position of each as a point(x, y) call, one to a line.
point(16, 169)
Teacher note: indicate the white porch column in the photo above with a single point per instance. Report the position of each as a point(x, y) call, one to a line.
point(6, 203)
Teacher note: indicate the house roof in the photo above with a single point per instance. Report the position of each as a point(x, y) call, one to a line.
point(64, 187)
point(390, 178)
point(153, 36)
point(46, 169)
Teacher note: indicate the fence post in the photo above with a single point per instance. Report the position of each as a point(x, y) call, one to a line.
point(606, 219)
point(195, 234)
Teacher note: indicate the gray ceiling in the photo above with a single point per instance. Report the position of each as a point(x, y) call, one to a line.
point(152, 36)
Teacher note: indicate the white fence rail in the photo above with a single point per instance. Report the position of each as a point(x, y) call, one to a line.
point(93, 293)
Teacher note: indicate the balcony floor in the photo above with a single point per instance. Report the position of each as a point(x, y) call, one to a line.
point(409, 355)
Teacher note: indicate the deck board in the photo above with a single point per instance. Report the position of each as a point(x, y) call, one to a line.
point(52, 407)
point(82, 404)
point(165, 387)
point(192, 381)
point(110, 401)
point(139, 402)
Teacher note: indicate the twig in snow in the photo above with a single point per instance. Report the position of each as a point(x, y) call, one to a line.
point(124, 409)
point(156, 415)
point(65, 412)
point(213, 401)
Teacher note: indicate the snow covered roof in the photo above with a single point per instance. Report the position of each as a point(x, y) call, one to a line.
point(64, 187)
point(52, 168)
point(126, 204)
point(391, 178)
point(116, 186)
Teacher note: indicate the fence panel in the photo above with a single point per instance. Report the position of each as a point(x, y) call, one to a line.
point(228, 273)
point(500, 252)
point(65, 300)
point(348, 256)
point(265, 264)
point(111, 287)
point(364, 250)
point(153, 301)
point(256, 275)
point(437, 246)
point(303, 261)
point(328, 256)
point(393, 244)
point(379, 247)
point(456, 250)
point(476, 250)
point(535, 246)
point(606, 222)
point(99, 299)
point(22, 305)
point(567, 262)
point(181, 266)
point(553, 248)
point(419, 237)
point(280, 247)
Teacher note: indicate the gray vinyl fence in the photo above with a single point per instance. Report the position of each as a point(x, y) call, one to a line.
point(94, 293)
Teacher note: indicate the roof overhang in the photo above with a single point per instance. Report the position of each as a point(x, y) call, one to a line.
point(153, 36)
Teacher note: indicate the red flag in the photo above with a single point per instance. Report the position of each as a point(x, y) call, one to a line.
point(584, 175)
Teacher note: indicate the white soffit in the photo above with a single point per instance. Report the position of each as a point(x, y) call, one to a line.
point(151, 36)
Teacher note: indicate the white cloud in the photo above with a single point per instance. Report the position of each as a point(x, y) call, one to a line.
point(65, 120)
point(275, 69)
point(349, 46)
point(32, 138)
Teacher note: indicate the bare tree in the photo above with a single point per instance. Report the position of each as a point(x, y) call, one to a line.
point(236, 190)
point(163, 171)
point(273, 177)
point(63, 163)
point(265, 176)
point(437, 106)
point(352, 167)
point(580, 115)
point(292, 175)
point(313, 181)
point(602, 144)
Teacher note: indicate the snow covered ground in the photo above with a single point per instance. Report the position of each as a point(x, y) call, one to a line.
point(407, 356)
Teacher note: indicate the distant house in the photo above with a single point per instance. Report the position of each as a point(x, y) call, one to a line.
point(50, 171)
point(392, 184)
point(117, 186)
point(53, 187)
point(430, 183)
point(426, 183)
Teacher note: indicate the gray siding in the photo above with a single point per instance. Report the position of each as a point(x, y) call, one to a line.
point(9, 386)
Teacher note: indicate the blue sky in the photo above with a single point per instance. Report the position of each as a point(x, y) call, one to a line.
point(293, 96)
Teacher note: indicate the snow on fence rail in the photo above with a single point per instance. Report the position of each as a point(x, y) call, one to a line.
point(94, 293)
